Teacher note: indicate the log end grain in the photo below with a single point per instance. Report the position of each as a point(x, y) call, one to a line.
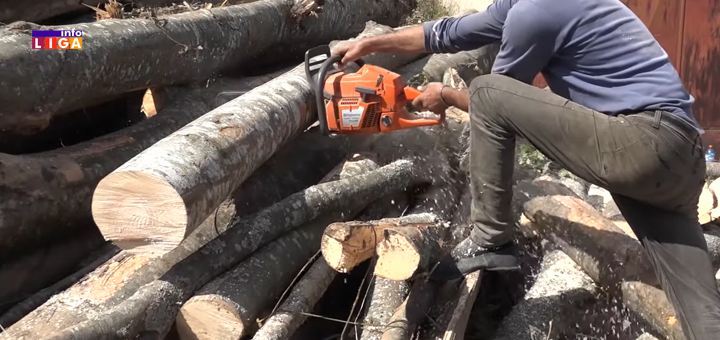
point(344, 246)
point(398, 257)
point(210, 317)
point(139, 213)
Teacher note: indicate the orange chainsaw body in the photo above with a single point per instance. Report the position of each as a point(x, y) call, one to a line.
point(371, 100)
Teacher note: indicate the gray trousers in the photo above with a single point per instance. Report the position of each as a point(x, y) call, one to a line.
point(651, 162)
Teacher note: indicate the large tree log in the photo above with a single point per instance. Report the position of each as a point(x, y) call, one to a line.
point(35, 11)
point(49, 194)
point(411, 312)
point(550, 306)
point(151, 310)
point(24, 276)
point(410, 249)
point(186, 47)
point(31, 303)
point(347, 244)
point(226, 307)
point(156, 199)
point(598, 246)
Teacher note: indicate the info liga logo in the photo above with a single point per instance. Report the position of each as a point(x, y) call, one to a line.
point(62, 40)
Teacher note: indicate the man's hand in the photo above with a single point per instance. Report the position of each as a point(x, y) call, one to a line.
point(430, 99)
point(352, 51)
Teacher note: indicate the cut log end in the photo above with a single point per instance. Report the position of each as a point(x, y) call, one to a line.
point(345, 246)
point(156, 208)
point(398, 257)
point(209, 317)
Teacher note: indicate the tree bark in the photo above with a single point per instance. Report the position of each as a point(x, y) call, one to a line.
point(150, 311)
point(35, 11)
point(226, 307)
point(49, 194)
point(288, 318)
point(187, 47)
point(407, 250)
point(26, 275)
point(652, 305)
point(599, 247)
point(156, 199)
point(18, 311)
point(345, 245)
point(550, 306)
point(411, 312)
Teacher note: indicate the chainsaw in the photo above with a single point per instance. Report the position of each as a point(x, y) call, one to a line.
point(371, 100)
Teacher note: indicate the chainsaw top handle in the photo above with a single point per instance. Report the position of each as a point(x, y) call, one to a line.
point(320, 86)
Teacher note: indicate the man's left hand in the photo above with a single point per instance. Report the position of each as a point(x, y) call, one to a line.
point(430, 99)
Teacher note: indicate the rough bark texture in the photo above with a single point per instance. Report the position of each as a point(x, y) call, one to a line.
point(186, 46)
point(550, 306)
point(24, 276)
point(712, 238)
point(150, 311)
point(405, 251)
point(28, 305)
point(386, 297)
point(238, 296)
point(34, 11)
point(599, 247)
point(288, 317)
point(49, 194)
point(281, 176)
point(712, 169)
point(411, 312)
point(158, 198)
point(651, 304)
point(459, 315)
point(347, 244)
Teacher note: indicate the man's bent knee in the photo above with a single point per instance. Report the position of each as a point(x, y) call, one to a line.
point(483, 101)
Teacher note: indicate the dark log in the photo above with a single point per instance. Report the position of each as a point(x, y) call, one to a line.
point(599, 247)
point(411, 312)
point(344, 245)
point(460, 314)
point(550, 306)
point(287, 319)
point(49, 194)
point(187, 47)
point(151, 310)
point(386, 297)
point(24, 276)
point(652, 305)
point(410, 249)
point(712, 169)
point(26, 306)
point(227, 306)
point(156, 199)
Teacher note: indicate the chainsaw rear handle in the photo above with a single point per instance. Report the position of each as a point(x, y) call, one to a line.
point(320, 86)
point(406, 122)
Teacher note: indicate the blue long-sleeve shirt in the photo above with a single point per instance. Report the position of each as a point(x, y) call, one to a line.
point(596, 53)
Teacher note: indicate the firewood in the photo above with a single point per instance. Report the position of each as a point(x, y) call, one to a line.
point(459, 315)
point(187, 47)
point(49, 194)
point(287, 319)
point(646, 336)
point(24, 276)
point(277, 176)
point(344, 245)
point(550, 305)
point(707, 202)
point(31, 303)
point(411, 248)
point(153, 201)
point(599, 247)
point(652, 305)
point(712, 238)
point(237, 297)
point(411, 312)
point(160, 300)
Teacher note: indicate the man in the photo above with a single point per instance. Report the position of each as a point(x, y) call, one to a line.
point(618, 117)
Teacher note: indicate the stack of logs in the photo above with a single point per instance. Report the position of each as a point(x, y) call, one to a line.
point(215, 209)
